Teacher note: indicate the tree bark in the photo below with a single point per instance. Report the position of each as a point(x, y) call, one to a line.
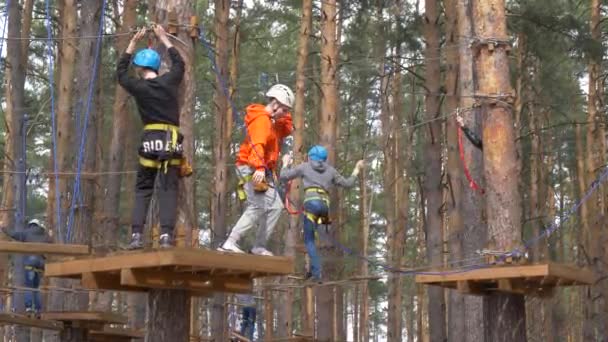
point(327, 132)
point(471, 201)
point(168, 316)
point(432, 181)
point(285, 323)
point(57, 212)
point(456, 313)
point(223, 121)
point(110, 219)
point(505, 315)
point(87, 81)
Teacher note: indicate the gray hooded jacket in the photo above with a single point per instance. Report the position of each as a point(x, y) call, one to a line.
point(317, 174)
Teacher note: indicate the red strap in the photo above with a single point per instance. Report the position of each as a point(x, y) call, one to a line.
point(288, 203)
point(472, 183)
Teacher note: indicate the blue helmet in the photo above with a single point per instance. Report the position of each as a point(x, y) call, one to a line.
point(317, 153)
point(147, 58)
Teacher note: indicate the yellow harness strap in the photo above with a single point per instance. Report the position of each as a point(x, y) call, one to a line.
point(174, 135)
point(155, 164)
point(35, 269)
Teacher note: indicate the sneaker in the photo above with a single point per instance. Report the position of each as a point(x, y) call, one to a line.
point(136, 241)
point(261, 251)
point(230, 246)
point(165, 241)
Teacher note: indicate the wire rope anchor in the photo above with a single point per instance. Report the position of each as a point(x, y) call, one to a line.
point(496, 257)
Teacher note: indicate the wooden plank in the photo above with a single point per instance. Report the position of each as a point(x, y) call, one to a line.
point(10, 318)
point(580, 276)
point(117, 332)
point(505, 272)
point(185, 281)
point(201, 258)
point(43, 248)
point(105, 281)
point(469, 287)
point(238, 337)
point(85, 316)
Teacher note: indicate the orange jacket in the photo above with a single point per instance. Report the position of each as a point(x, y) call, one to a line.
point(263, 141)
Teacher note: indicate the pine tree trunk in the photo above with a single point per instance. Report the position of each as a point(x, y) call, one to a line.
point(110, 219)
point(13, 188)
point(432, 181)
point(87, 81)
point(285, 323)
point(596, 297)
point(505, 314)
point(168, 316)
point(57, 212)
point(327, 132)
point(471, 201)
point(456, 314)
point(221, 153)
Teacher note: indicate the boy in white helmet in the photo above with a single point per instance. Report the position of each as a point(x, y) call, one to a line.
point(267, 126)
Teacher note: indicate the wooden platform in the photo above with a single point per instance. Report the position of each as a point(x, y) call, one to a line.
point(43, 248)
point(10, 318)
point(197, 270)
point(539, 280)
point(85, 319)
point(108, 334)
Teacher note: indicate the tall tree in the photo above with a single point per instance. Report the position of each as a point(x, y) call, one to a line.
point(57, 212)
point(596, 315)
point(110, 220)
point(505, 314)
point(470, 200)
point(285, 316)
point(456, 314)
point(327, 132)
point(223, 121)
point(166, 307)
point(432, 180)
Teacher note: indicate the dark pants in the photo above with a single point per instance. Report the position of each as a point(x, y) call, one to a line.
point(318, 208)
point(166, 194)
point(32, 298)
point(248, 322)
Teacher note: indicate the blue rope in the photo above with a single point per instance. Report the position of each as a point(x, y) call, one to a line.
point(49, 43)
point(83, 137)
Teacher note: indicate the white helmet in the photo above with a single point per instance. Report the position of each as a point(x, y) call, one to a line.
point(281, 93)
point(36, 222)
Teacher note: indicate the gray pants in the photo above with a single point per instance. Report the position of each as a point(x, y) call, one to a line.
point(263, 209)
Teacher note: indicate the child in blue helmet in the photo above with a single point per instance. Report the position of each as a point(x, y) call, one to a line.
point(317, 179)
point(161, 145)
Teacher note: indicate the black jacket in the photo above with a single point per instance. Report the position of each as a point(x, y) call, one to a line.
point(156, 98)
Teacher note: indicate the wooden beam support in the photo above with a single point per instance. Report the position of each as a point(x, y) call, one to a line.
point(82, 318)
point(183, 281)
point(470, 287)
point(43, 248)
point(9, 319)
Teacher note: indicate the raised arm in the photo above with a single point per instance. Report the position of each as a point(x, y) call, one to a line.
point(122, 68)
point(349, 182)
point(176, 73)
point(287, 172)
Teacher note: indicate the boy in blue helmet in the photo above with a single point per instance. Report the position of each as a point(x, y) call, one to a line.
point(317, 178)
point(161, 145)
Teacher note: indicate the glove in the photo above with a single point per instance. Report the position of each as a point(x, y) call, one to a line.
point(258, 176)
point(358, 167)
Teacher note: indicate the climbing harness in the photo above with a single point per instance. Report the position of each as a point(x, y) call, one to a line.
point(35, 269)
point(167, 157)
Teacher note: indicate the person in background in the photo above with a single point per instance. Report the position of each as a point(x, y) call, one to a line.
point(33, 264)
point(248, 314)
